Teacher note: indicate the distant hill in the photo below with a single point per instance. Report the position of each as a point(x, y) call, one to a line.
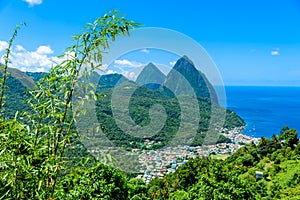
point(36, 76)
point(151, 77)
point(111, 80)
point(139, 97)
point(15, 94)
point(185, 79)
point(21, 76)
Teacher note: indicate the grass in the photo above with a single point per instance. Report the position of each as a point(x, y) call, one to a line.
point(220, 156)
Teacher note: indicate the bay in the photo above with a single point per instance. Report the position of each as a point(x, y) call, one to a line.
point(265, 109)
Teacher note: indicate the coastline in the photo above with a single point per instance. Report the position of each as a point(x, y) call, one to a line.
point(158, 163)
point(265, 109)
point(161, 162)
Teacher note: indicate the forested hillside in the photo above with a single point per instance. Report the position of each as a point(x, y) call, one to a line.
point(152, 87)
point(17, 85)
point(142, 99)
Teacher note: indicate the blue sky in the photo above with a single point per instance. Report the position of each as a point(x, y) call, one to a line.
point(251, 42)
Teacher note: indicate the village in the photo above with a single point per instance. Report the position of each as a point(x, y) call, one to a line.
point(158, 163)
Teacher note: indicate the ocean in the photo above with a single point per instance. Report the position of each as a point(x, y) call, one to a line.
point(265, 109)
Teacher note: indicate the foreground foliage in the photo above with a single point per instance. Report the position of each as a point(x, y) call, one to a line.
point(33, 155)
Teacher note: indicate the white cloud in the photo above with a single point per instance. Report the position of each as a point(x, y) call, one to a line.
point(110, 71)
point(33, 2)
point(172, 63)
point(34, 61)
point(275, 52)
point(103, 66)
point(20, 48)
point(127, 63)
point(44, 50)
point(3, 45)
point(130, 75)
point(128, 68)
point(145, 51)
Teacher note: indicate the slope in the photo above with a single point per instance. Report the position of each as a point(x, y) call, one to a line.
point(184, 78)
point(150, 77)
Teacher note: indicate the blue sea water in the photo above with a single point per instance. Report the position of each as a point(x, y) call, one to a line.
point(265, 109)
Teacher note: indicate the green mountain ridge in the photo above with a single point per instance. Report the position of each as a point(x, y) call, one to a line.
point(184, 78)
point(140, 99)
point(150, 77)
point(35, 76)
point(17, 83)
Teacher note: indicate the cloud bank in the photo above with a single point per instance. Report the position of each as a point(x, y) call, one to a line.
point(3, 45)
point(128, 68)
point(39, 60)
point(127, 63)
point(33, 2)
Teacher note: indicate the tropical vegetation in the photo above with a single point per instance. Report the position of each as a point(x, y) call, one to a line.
point(41, 156)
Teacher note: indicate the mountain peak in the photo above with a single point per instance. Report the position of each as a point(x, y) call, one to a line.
point(150, 65)
point(151, 77)
point(184, 63)
point(185, 57)
point(185, 70)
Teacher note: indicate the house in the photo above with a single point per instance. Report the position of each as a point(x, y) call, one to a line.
point(259, 175)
